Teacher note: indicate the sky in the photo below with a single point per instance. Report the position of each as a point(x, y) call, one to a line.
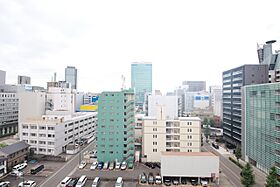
point(184, 40)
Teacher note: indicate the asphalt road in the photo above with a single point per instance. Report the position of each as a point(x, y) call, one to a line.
point(227, 167)
point(59, 175)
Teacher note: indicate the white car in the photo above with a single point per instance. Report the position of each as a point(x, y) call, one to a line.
point(124, 165)
point(27, 184)
point(4, 184)
point(16, 173)
point(203, 182)
point(118, 165)
point(82, 165)
point(93, 165)
point(158, 179)
point(20, 166)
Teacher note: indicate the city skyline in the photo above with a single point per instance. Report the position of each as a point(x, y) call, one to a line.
point(101, 40)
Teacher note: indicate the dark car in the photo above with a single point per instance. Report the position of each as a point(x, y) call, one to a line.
point(157, 164)
point(100, 165)
point(72, 183)
point(151, 178)
point(194, 181)
point(167, 182)
point(184, 181)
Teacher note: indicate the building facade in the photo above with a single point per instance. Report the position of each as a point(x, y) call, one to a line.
point(141, 81)
point(216, 100)
point(261, 127)
point(233, 80)
point(195, 86)
point(8, 113)
point(3, 166)
point(177, 135)
point(155, 101)
point(24, 80)
point(2, 77)
point(71, 74)
point(115, 130)
point(50, 134)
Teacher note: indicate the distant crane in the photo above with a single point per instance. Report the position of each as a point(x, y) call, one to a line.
point(123, 82)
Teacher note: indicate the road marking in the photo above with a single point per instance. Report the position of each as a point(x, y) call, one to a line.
point(81, 152)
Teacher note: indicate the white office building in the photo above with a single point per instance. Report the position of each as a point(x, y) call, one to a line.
point(169, 102)
point(50, 134)
point(176, 135)
point(216, 100)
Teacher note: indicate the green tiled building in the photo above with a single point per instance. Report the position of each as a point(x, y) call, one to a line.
point(261, 125)
point(115, 127)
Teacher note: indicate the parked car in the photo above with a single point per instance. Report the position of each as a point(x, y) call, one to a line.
point(73, 182)
point(167, 182)
point(37, 169)
point(124, 165)
point(143, 178)
point(118, 165)
point(100, 165)
point(96, 182)
point(151, 178)
point(82, 165)
point(27, 184)
point(150, 165)
point(157, 164)
point(112, 165)
point(93, 165)
point(130, 165)
point(93, 154)
point(119, 182)
point(106, 165)
point(215, 145)
point(203, 182)
point(16, 173)
point(5, 184)
point(184, 180)
point(194, 181)
point(82, 180)
point(20, 167)
point(158, 179)
point(65, 181)
point(175, 181)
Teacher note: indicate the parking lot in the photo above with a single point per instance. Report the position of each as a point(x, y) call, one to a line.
point(50, 168)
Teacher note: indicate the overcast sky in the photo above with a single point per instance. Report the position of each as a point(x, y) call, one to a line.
point(184, 40)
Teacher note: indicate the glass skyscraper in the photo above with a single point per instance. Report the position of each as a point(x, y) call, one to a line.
point(71, 76)
point(141, 81)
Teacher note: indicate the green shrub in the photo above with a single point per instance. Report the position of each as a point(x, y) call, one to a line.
point(236, 162)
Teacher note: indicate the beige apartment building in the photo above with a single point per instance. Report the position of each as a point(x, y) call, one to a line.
point(181, 134)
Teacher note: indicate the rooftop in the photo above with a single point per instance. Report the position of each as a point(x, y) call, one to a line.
point(187, 154)
point(10, 149)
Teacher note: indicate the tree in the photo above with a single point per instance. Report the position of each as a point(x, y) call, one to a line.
point(211, 122)
point(205, 121)
point(207, 132)
point(238, 153)
point(271, 179)
point(247, 176)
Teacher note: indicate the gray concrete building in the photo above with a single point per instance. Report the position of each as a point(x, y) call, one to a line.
point(2, 77)
point(195, 86)
point(233, 80)
point(24, 79)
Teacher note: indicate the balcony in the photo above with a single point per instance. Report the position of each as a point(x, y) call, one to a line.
point(172, 131)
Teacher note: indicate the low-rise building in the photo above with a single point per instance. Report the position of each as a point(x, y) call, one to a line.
point(178, 135)
point(190, 165)
point(15, 153)
point(50, 134)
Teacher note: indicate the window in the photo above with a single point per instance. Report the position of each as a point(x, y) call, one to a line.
point(33, 134)
point(42, 142)
point(154, 122)
point(42, 135)
point(24, 134)
point(154, 129)
point(33, 141)
point(154, 143)
point(50, 128)
point(42, 127)
point(50, 143)
point(154, 136)
point(154, 150)
point(25, 126)
point(33, 127)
